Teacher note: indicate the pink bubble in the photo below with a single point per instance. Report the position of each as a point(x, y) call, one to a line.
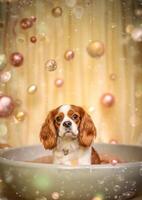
point(6, 106)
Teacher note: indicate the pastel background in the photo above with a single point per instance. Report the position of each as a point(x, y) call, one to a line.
point(82, 79)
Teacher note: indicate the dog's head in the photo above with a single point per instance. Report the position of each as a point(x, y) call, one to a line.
point(67, 121)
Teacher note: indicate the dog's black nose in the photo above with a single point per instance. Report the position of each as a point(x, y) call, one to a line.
point(67, 124)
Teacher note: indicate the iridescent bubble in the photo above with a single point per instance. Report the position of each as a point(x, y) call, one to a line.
point(51, 65)
point(69, 55)
point(78, 12)
point(113, 26)
point(32, 89)
point(70, 3)
point(116, 188)
point(107, 100)
point(129, 28)
point(6, 106)
point(91, 109)
point(116, 197)
point(33, 18)
point(138, 12)
point(128, 194)
point(55, 195)
point(114, 162)
point(20, 116)
point(33, 39)
point(16, 59)
point(59, 82)
point(95, 49)
point(57, 11)
point(137, 34)
point(113, 76)
point(2, 61)
point(26, 23)
point(113, 141)
point(5, 77)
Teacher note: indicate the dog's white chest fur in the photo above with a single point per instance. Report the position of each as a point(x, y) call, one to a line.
point(69, 152)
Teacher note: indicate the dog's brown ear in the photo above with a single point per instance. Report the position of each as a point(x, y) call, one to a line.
point(48, 135)
point(95, 158)
point(87, 130)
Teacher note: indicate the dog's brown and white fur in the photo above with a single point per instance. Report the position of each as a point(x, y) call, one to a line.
point(69, 131)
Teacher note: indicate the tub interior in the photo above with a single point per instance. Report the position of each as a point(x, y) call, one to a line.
point(125, 153)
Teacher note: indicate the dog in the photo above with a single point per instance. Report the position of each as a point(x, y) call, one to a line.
point(69, 132)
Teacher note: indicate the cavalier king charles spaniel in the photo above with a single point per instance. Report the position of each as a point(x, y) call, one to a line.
point(69, 131)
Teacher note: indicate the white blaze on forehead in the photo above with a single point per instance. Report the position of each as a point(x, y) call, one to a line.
point(62, 130)
point(64, 109)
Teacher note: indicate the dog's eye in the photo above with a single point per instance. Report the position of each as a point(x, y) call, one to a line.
point(75, 117)
point(58, 119)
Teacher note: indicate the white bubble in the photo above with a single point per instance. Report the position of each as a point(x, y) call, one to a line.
point(116, 188)
point(5, 77)
point(137, 34)
point(37, 192)
point(101, 182)
point(106, 189)
point(128, 194)
point(78, 12)
point(91, 109)
point(55, 195)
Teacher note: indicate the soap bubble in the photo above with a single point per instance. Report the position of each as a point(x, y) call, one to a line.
point(128, 194)
point(55, 195)
point(116, 188)
point(51, 65)
point(2, 61)
point(78, 11)
point(32, 89)
point(137, 34)
point(5, 77)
